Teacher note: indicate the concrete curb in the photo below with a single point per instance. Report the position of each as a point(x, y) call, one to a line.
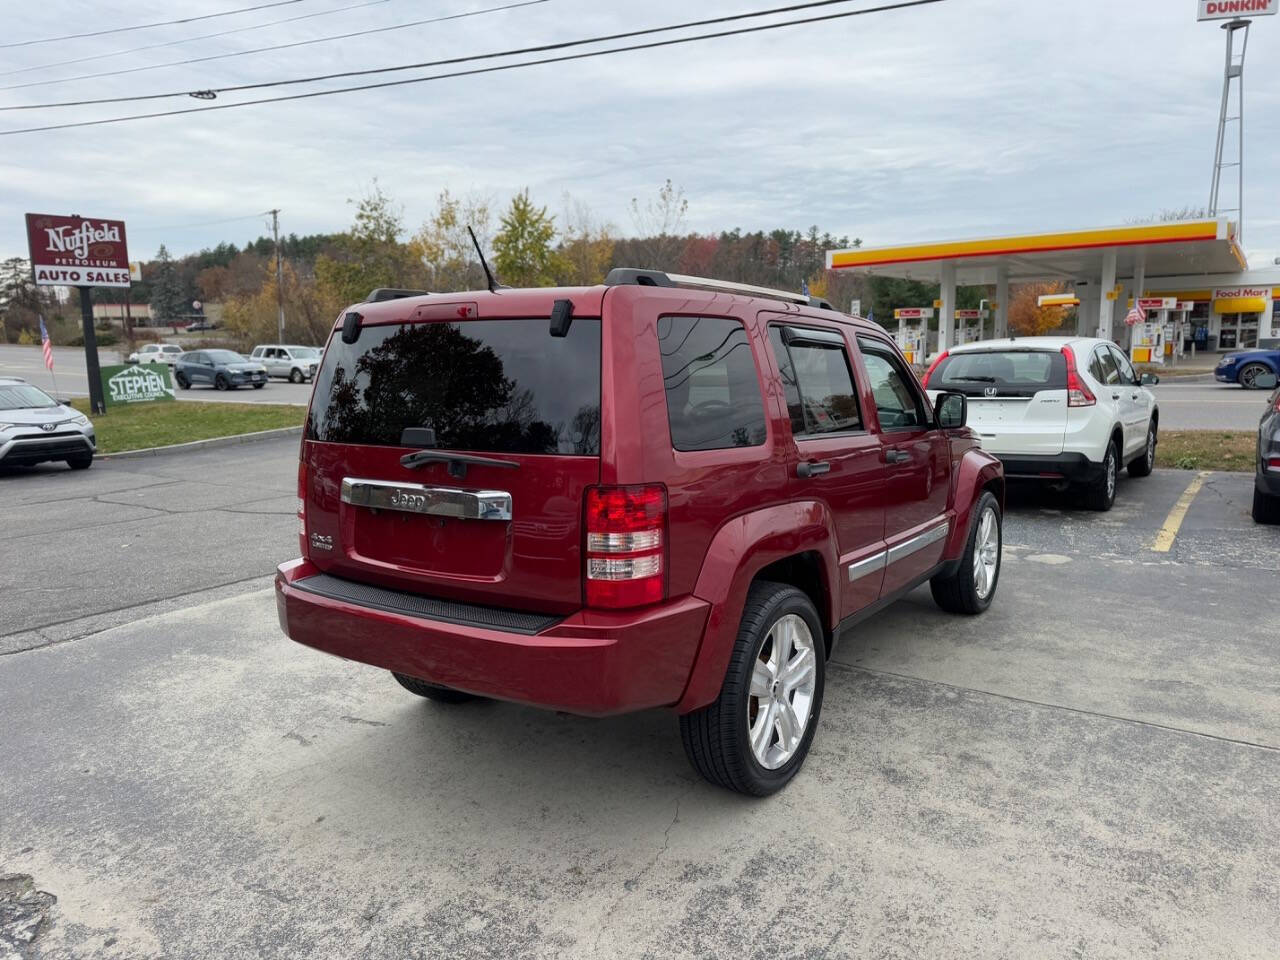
point(210, 444)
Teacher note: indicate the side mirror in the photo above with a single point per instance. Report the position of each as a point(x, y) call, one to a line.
point(1148, 379)
point(1265, 381)
point(952, 410)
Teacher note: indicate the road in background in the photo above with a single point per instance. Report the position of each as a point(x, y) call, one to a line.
point(69, 369)
point(1201, 403)
point(1089, 769)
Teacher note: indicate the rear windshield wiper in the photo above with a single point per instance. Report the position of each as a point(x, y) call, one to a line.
point(458, 462)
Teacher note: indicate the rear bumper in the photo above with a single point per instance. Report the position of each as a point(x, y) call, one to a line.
point(592, 662)
point(1073, 467)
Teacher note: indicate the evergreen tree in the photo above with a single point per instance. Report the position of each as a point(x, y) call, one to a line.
point(167, 302)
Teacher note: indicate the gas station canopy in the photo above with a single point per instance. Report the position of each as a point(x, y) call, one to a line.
point(1169, 249)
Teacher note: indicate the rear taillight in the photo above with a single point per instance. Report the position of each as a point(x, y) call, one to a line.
point(302, 506)
point(932, 367)
point(1273, 463)
point(1078, 395)
point(626, 545)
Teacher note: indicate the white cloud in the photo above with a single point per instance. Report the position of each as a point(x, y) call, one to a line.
point(967, 117)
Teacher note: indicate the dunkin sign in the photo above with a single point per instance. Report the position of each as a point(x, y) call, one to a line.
point(1230, 9)
point(77, 251)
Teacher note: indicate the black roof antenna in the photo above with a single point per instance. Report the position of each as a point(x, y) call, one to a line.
point(494, 285)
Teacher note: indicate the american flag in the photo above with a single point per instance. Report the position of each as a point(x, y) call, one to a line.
point(1136, 315)
point(46, 345)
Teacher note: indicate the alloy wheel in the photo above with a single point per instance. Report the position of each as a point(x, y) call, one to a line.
point(783, 682)
point(986, 554)
point(1111, 472)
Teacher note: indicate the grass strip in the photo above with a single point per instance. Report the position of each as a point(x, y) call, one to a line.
point(141, 425)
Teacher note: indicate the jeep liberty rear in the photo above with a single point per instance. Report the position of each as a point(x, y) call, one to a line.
point(628, 496)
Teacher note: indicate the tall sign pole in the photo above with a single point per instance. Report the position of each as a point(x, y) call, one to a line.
point(275, 232)
point(1237, 31)
point(82, 252)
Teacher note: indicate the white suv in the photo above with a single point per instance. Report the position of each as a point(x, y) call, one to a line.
point(157, 353)
point(294, 363)
point(1059, 409)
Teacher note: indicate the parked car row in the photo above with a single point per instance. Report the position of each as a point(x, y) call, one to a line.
point(226, 369)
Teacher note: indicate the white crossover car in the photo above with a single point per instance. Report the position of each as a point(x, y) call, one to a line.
point(1066, 410)
point(156, 353)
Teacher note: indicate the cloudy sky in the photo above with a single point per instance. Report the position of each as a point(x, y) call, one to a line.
point(961, 118)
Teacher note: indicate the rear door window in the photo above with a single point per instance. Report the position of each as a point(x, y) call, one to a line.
point(1012, 373)
point(497, 386)
point(1110, 372)
point(709, 374)
point(818, 383)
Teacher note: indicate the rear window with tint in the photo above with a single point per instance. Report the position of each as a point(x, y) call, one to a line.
point(496, 386)
point(713, 395)
point(1015, 372)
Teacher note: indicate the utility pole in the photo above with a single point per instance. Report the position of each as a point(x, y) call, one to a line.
point(275, 232)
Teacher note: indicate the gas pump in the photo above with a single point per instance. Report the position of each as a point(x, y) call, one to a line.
point(1177, 330)
point(969, 325)
point(1147, 341)
point(913, 332)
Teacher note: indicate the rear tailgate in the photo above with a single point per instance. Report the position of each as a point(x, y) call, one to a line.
point(506, 532)
point(1017, 397)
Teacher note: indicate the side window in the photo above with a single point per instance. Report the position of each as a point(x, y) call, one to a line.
point(257, 352)
point(713, 393)
point(897, 403)
point(1122, 363)
point(1095, 366)
point(818, 384)
point(1110, 372)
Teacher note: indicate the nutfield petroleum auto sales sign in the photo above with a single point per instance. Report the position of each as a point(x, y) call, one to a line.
point(77, 251)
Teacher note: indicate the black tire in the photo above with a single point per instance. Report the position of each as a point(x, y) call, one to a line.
point(717, 738)
point(1249, 374)
point(431, 691)
point(80, 463)
point(220, 382)
point(182, 381)
point(1266, 508)
point(1143, 466)
point(258, 386)
point(295, 376)
point(1101, 494)
point(961, 592)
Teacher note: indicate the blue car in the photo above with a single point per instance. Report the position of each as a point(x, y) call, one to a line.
point(220, 369)
point(1246, 366)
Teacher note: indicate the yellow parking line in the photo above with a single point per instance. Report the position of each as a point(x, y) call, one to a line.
point(1169, 532)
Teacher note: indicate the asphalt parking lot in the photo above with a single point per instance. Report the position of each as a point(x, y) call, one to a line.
point(1092, 769)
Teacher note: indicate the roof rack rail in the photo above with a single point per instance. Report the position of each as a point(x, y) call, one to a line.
point(378, 294)
point(630, 276)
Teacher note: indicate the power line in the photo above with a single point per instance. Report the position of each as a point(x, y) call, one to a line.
point(209, 94)
point(203, 36)
point(206, 223)
point(278, 46)
point(148, 26)
point(483, 70)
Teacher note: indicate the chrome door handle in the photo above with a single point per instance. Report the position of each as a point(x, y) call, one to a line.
point(812, 468)
point(896, 456)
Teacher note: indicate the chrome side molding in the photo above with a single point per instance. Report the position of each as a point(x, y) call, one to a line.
point(919, 541)
point(431, 501)
point(872, 564)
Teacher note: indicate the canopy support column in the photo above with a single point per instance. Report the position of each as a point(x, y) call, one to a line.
point(947, 319)
point(1002, 302)
point(1105, 303)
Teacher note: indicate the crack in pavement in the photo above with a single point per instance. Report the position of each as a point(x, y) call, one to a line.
point(1097, 714)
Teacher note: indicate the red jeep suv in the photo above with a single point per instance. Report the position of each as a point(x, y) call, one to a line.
point(659, 492)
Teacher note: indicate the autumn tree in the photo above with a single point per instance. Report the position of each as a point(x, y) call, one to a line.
point(444, 246)
point(251, 318)
point(524, 255)
point(1026, 317)
point(370, 255)
point(658, 223)
point(586, 246)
